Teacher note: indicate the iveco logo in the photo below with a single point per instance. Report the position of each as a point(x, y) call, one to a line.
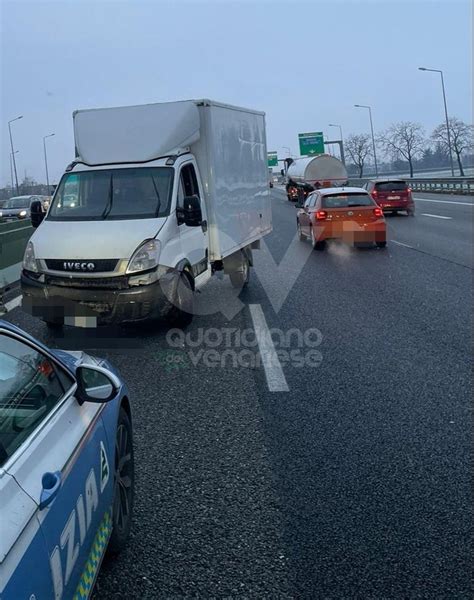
point(78, 266)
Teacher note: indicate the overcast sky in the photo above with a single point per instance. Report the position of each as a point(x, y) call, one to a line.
point(304, 63)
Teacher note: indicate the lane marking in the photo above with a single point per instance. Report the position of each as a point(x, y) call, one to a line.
point(443, 201)
point(435, 216)
point(11, 304)
point(273, 372)
point(402, 244)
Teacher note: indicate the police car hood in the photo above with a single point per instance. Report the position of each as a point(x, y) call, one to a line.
point(92, 240)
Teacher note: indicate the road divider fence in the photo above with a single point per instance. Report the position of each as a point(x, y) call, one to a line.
point(14, 236)
point(439, 185)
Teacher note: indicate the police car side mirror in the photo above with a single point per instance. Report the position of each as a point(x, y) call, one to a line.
point(95, 384)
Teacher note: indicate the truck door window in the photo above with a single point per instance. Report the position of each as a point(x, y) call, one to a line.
point(189, 181)
point(188, 185)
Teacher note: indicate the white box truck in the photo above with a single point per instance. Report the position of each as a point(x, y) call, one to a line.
point(157, 199)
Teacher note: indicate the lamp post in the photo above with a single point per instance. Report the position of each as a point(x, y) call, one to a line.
point(445, 113)
point(11, 168)
point(288, 149)
point(373, 138)
point(13, 151)
point(343, 159)
point(46, 158)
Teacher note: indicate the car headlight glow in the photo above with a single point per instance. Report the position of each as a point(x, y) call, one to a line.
point(145, 257)
point(29, 259)
point(23, 213)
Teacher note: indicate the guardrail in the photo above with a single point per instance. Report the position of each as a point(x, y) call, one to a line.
point(13, 239)
point(439, 185)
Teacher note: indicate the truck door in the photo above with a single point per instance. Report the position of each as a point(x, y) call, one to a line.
point(194, 240)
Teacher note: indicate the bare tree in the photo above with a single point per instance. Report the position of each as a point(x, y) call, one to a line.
point(403, 140)
point(461, 138)
point(358, 148)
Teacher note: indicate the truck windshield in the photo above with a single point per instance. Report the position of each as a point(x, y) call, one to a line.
point(136, 193)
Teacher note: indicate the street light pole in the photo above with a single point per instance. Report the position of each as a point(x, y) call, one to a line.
point(343, 158)
point(373, 137)
point(13, 151)
point(445, 114)
point(287, 148)
point(11, 168)
point(46, 159)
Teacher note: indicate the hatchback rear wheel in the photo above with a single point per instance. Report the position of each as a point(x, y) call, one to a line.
point(317, 245)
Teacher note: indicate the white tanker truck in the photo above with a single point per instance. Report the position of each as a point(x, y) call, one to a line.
point(313, 172)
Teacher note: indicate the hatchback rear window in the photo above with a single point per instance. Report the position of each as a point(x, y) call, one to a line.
point(344, 200)
point(391, 186)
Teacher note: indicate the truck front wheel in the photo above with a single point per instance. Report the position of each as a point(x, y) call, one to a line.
point(181, 313)
point(54, 326)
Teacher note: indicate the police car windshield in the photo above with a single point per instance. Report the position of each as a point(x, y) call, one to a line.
point(135, 193)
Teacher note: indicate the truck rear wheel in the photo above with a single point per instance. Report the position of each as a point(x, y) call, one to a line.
point(241, 276)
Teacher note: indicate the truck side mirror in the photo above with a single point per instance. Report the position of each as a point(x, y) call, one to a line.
point(191, 214)
point(37, 213)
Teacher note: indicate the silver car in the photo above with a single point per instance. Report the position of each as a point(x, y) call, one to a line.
point(19, 207)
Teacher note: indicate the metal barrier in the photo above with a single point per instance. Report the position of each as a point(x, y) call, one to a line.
point(439, 185)
point(13, 239)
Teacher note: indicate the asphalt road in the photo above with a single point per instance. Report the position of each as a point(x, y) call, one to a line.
point(354, 483)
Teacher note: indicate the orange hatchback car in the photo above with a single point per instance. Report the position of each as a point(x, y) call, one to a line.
point(349, 214)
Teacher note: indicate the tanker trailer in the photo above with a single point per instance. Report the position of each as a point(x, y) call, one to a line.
point(313, 172)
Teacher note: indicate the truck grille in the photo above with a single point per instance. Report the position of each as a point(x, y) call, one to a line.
point(73, 265)
point(93, 283)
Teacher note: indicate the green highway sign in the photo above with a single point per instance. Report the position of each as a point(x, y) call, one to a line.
point(311, 143)
point(272, 159)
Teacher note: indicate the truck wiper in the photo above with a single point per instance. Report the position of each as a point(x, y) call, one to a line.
point(157, 195)
point(108, 206)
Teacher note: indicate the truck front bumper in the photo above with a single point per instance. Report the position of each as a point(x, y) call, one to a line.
point(72, 305)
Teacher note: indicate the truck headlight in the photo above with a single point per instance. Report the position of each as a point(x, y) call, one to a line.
point(23, 213)
point(29, 259)
point(145, 257)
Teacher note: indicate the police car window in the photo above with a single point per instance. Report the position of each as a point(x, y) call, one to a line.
point(30, 387)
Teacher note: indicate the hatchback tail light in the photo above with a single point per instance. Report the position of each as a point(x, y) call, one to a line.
point(321, 215)
point(374, 194)
point(378, 212)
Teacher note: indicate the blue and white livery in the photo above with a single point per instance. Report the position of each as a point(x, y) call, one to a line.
point(66, 468)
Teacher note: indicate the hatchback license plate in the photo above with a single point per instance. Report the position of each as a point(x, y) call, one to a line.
point(393, 197)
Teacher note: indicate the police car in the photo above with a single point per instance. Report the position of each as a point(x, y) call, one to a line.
point(66, 468)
